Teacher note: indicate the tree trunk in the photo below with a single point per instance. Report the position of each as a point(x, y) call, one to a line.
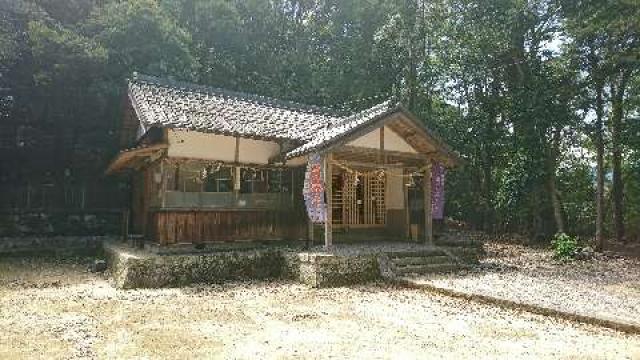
point(557, 205)
point(412, 53)
point(488, 221)
point(599, 142)
point(616, 124)
point(551, 182)
point(489, 153)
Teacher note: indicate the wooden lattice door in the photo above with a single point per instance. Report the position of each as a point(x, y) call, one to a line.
point(359, 199)
point(375, 209)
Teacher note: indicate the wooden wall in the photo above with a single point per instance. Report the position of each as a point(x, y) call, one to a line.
point(397, 222)
point(199, 226)
point(196, 145)
point(392, 141)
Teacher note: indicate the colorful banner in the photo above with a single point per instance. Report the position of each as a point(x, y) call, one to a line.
point(437, 190)
point(313, 190)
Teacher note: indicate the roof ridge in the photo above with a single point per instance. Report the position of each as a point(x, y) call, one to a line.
point(388, 104)
point(265, 100)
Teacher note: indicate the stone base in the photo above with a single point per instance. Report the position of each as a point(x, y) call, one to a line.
point(343, 265)
point(54, 245)
point(135, 268)
point(327, 270)
point(132, 268)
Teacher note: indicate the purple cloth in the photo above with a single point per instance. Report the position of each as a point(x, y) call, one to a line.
point(437, 190)
point(313, 190)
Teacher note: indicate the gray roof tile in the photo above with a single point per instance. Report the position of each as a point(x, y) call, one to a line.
point(170, 104)
point(164, 103)
point(346, 126)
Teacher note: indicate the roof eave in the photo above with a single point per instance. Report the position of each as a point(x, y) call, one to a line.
point(276, 139)
point(328, 145)
point(125, 158)
point(442, 147)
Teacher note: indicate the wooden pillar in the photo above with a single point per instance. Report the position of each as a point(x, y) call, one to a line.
point(407, 210)
point(125, 224)
point(236, 171)
point(328, 190)
point(428, 218)
point(236, 180)
point(310, 233)
point(163, 184)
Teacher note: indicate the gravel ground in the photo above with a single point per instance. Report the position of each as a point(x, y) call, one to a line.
point(58, 310)
point(606, 287)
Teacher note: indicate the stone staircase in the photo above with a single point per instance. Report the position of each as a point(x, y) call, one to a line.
point(466, 246)
point(453, 250)
point(420, 262)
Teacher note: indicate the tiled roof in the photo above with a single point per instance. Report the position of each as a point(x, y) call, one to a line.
point(170, 104)
point(337, 131)
point(164, 103)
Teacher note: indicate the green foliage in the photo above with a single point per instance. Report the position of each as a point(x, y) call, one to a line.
point(576, 184)
point(565, 247)
point(8, 44)
point(142, 35)
point(62, 54)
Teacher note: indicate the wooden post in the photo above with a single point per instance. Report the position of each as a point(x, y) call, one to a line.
point(328, 228)
point(310, 233)
point(407, 210)
point(383, 154)
point(428, 218)
point(163, 185)
point(236, 171)
point(125, 225)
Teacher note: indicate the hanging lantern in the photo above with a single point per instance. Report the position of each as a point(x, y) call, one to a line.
point(412, 181)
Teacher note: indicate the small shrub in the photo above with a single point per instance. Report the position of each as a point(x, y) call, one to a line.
point(565, 247)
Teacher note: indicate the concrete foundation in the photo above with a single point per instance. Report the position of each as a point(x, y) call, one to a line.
point(54, 245)
point(343, 265)
point(326, 270)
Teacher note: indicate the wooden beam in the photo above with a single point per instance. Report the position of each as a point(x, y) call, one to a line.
point(231, 163)
point(428, 218)
point(360, 130)
point(366, 161)
point(328, 228)
point(163, 186)
point(445, 154)
point(374, 152)
point(407, 210)
point(368, 165)
point(130, 158)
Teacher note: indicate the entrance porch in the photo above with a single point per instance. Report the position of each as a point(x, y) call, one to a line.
point(376, 195)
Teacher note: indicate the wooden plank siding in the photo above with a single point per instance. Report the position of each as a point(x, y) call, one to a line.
point(201, 226)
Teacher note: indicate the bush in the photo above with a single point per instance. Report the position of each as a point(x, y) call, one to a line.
point(565, 247)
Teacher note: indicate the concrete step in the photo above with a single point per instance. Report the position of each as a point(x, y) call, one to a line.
point(422, 260)
point(467, 254)
point(458, 243)
point(418, 253)
point(426, 269)
point(462, 249)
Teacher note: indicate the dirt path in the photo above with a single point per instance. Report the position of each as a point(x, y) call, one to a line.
point(604, 287)
point(59, 311)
